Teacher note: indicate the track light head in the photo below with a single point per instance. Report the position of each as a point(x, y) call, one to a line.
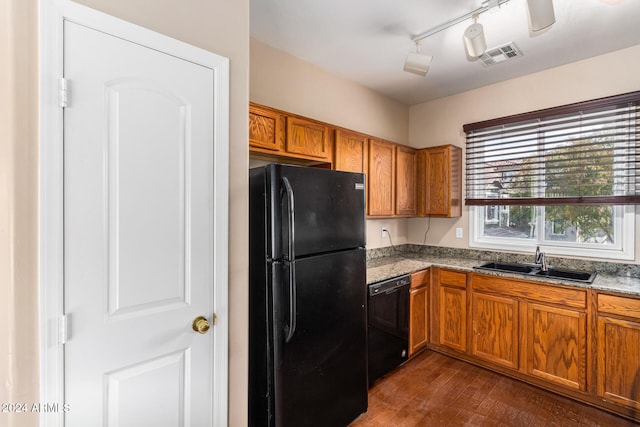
point(541, 14)
point(417, 63)
point(474, 40)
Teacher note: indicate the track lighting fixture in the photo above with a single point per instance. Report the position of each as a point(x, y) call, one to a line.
point(417, 63)
point(541, 16)
point(474, 39)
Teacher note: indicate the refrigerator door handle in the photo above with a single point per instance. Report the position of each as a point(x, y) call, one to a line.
point(291, 327)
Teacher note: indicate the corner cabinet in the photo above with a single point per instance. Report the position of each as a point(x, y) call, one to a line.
point(618, 342)
point(419, 311)
point(440, 181)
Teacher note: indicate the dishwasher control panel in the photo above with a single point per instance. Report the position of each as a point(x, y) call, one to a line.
point(390, 285)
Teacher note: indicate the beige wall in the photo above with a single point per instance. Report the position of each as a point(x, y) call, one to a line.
point(283, 81)
point(218, 26)
point(440, 121)
point(18, 208)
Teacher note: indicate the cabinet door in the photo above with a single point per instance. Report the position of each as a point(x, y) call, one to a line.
point(406, 170)
point(418, 318)
point(557, 345)
point(619, 361)
point(495, 329)
point(350, 152)
point(266, 128)
point(381, 178)
point(437, 175)
point(308, 138)
point(453, 317)
point(440, 181)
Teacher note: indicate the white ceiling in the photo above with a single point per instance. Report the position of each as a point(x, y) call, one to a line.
point(367, 40)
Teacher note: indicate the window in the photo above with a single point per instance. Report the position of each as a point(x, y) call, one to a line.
point(566, 178)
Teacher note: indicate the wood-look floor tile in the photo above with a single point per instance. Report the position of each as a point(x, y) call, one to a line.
point(437, 390)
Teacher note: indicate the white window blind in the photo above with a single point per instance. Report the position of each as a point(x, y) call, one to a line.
point(580, 154)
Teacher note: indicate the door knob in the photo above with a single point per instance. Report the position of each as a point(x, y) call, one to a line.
point(201, 325)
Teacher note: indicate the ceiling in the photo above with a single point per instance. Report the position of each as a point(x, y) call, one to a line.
point(367, 41)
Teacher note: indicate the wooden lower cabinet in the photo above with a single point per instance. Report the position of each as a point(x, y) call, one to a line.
point(618, 342)
point(419, 311)
point(556, 345)
point(452, 309)
point(495, 329)
point(453, 318)
point(619, 361)
point(581, 343)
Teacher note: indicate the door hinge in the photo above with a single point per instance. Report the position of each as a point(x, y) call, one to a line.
point(63, 92)
point(64, 329)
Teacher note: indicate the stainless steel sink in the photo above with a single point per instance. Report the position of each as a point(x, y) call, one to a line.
point(535, 270)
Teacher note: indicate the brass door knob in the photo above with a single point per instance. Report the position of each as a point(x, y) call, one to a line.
point(201, 325)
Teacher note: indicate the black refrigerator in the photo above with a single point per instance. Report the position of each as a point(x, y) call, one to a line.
point(307, 297)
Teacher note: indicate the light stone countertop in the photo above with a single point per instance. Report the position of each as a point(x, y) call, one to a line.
point(387, 267)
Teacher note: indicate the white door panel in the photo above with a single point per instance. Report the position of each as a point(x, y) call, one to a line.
point(138, 212)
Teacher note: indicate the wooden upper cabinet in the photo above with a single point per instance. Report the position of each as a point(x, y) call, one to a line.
point(350, 151)
point(277, 135)
point(308, 138)
point(381, 178)
point(440, 181)
point(266, 128)
point(406, 174)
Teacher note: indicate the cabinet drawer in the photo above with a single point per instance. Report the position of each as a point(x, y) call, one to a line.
point(455, 279)
point(619, 305)
point(530, 290)
point(420, 278)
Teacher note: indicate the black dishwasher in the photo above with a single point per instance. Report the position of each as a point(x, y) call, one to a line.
point(388, 325)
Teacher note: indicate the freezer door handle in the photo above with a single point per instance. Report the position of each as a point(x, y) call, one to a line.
point(291, 327)
point(291, 256)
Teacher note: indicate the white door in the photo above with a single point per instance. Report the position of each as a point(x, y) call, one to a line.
point(138, 234)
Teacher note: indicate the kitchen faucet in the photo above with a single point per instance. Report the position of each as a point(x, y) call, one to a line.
point(541, 259)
